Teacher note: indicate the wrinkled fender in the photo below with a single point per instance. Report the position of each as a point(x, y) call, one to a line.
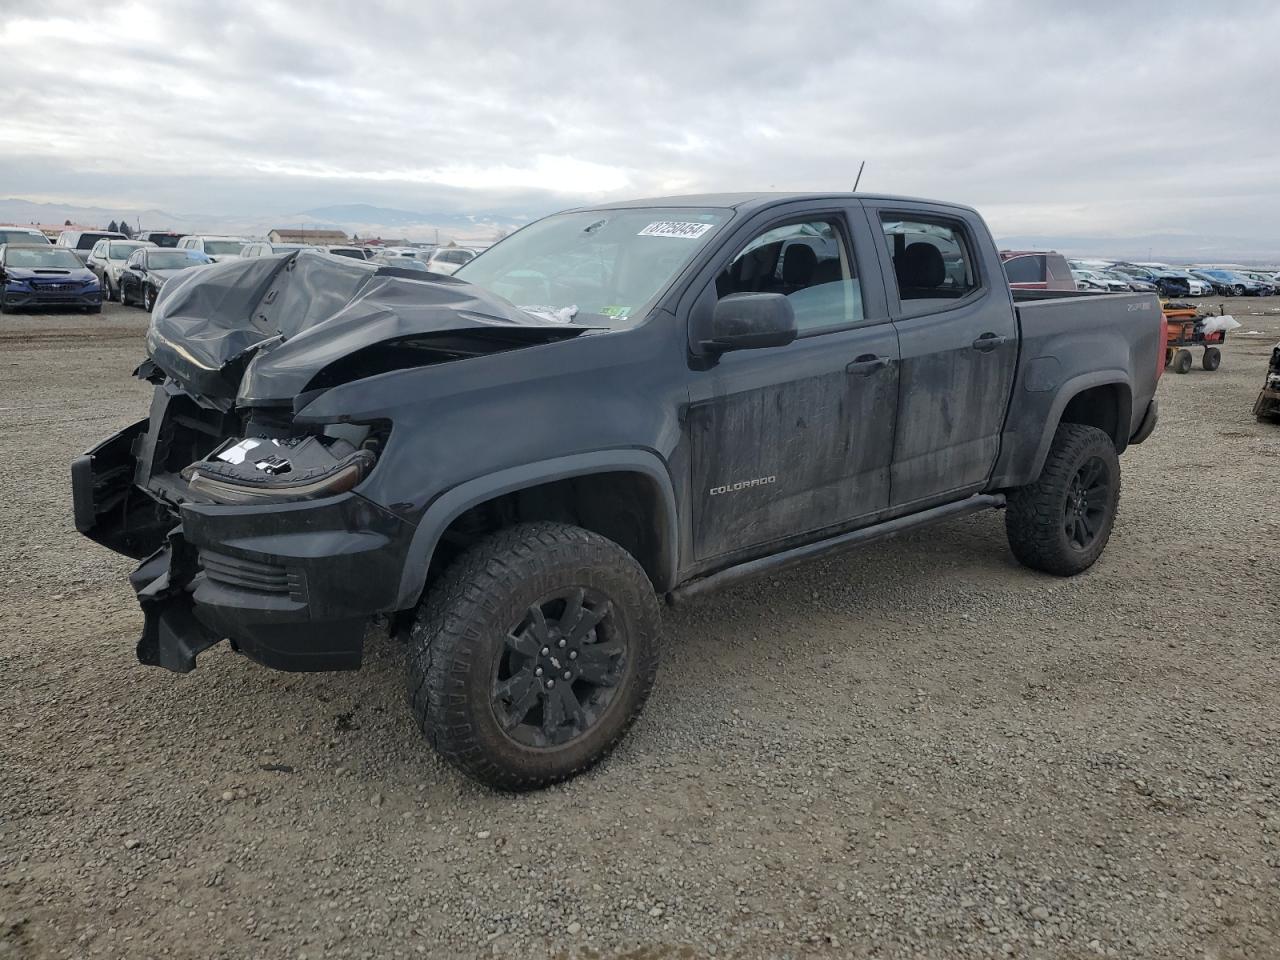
point(1069, 391)
point(452, 504)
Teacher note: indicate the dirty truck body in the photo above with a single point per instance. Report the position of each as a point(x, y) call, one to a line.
point(747, 381)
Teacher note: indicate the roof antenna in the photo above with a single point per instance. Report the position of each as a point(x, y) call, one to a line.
point(859, 180)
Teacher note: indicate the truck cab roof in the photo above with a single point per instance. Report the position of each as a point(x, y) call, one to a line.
point(750, 202)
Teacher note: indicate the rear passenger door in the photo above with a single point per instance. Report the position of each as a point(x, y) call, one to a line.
point(958, 339)
point(789, 441)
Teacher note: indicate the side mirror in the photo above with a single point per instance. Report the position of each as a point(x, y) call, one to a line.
point(748, 321)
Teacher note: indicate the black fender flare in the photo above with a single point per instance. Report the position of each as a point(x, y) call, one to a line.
point(454, 502)
point(1069, 390)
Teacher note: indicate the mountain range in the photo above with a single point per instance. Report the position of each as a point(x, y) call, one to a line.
point(362, 219)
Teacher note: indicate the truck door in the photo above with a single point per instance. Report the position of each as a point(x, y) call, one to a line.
point(787, 441)
point(959, 348)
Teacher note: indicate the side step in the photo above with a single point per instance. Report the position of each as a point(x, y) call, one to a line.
point(797, 555)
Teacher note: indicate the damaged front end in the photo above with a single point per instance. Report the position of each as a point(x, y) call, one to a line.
point(249, 521)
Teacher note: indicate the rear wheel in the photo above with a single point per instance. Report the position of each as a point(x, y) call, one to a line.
point(1212, 358)
point(533, 654)
point(1061, 523)
point(1182, 361)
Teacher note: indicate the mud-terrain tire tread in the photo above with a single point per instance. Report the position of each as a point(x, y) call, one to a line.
point(1033, 514)
point(467, 598)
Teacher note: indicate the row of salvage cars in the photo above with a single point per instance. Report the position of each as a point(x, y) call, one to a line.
point(1050, 270)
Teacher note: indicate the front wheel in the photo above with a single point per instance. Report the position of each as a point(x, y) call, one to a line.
point(1212, 358)
point(1237, 290)
point(533, 654)
point(107, 295)
point(1061, 523)
point(148, 298)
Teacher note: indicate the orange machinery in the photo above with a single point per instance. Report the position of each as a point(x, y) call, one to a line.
point(1182, 329)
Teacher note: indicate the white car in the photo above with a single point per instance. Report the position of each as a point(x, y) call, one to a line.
point(108, 258)
point(217, 249)
point(446, 260)
point(22, 236)
point(1092, 280)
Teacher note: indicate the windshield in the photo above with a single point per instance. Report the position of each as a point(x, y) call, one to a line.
point(174, 259)
point(609, 263)
point(223, 247)
point(21, 236)
point(49, 256)
point(123, 250)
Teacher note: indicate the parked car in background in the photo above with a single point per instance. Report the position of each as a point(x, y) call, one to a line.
point(1232, 284)
point(1094, 280)
point(265, 248)
point(161, 238)
point(22, 235)
point(344, 250)
point(401, 263)
point(45, 275)
point(1265, 279)
point(1136, 284)
point(1037, 270)
point(150, 268)
point(107, 259)
point(215, 248)
point(1166, 284)
point(82, 241)
point(445, 260)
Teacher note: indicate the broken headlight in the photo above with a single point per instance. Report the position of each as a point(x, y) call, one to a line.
point(262, 470)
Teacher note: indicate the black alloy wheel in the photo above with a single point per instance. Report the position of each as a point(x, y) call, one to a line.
point(560, 669)
point(1088, 503)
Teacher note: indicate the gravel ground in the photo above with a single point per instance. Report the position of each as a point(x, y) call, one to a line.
point(917, 750)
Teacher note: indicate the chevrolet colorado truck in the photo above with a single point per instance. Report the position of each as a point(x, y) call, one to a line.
point(508, 468)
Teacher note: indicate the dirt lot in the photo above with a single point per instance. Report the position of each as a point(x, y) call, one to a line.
point(921, 749)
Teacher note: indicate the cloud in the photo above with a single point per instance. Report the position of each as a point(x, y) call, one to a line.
point(1094, 118)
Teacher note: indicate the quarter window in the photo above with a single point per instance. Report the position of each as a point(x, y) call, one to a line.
point(1025, 269)
point(809, 263)
point(932, 262)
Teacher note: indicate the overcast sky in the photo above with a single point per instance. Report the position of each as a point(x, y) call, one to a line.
point(1068, 118)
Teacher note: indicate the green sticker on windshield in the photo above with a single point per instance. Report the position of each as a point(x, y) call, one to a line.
point(618, 313)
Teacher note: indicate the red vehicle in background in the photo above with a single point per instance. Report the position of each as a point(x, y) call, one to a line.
point(1037, 270)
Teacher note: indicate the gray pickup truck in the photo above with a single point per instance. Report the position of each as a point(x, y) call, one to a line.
point(645, 400)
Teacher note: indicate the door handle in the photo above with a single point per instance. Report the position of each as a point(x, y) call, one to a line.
point(988, 342)
point(866, 365)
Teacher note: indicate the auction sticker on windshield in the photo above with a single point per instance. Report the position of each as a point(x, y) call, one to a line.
point(675, 228)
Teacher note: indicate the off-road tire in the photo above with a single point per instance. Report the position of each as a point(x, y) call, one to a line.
point(461, 627)
point(1034, 518)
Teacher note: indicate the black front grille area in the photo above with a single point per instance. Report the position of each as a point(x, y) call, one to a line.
point(251, 575)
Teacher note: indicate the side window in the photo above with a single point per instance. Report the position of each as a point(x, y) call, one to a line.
point(932, 261)
point(810, 264)
point(1024, 269)
point(1059, 269)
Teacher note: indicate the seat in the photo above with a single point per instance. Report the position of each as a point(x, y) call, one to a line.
point(798, 265)
point(920, 271)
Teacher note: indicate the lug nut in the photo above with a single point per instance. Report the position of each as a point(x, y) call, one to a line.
point(567, 675)
point(573, 654)
point(537, 672)
point(563, 642)
point(545, 651)
point(550, 684)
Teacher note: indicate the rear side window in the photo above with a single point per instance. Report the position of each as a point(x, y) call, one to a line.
point(932, 261)
point(1059, 269)
point(810, 264)
point(1025, 269)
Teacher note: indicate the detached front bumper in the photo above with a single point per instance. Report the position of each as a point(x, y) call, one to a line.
point(290, 585)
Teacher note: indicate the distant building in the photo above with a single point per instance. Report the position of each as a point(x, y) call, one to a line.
point(317, 238)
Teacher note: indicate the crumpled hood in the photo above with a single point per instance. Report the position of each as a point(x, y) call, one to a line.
point(262, 329)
